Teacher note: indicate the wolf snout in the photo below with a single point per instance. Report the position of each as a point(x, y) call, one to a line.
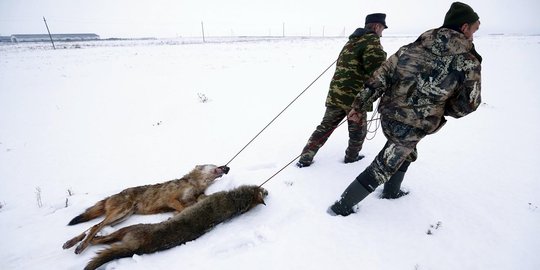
point(224, 169)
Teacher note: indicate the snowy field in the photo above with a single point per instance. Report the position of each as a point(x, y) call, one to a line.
point(89, 119)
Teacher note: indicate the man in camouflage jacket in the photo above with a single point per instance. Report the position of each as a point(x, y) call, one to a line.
point(438, 75)
point(358, 59)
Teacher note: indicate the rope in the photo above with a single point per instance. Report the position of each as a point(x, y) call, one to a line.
point(313, 143)
point(325, 135)
point(373, 119)
point(280, 113)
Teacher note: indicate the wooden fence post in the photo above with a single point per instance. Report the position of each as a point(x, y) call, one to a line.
point(50, 36)
point(202, 27)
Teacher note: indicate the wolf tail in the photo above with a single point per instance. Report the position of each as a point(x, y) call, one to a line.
point(114, 252)
point(92, 212)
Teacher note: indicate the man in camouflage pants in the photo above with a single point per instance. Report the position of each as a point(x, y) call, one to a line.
point(437, 75)
point(358, 59)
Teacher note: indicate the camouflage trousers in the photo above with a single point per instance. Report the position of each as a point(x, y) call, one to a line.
point(401, 146)
point(331, 119)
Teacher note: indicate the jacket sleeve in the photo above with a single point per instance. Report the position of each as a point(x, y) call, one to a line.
point(376, 85)
point(467, 98)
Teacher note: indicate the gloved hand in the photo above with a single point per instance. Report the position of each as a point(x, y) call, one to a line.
point(363, 101)
point(354, 116)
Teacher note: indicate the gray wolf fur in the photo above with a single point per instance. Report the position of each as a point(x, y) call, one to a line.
point(174, 195)
point(184, 227)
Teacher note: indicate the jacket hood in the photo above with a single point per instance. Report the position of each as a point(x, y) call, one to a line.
point(359, 32)
point(445, 42)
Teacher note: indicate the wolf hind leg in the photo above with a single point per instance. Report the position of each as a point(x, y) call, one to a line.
point(113, 217)
point(74, 240)
point(111, 238)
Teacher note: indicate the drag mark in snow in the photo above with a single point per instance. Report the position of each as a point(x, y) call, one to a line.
point(255, 238)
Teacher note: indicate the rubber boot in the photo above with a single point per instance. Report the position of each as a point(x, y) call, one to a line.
point(354, 193)
point(306, 158)
point(352, 156)
point(348, 159)
point(391, 188)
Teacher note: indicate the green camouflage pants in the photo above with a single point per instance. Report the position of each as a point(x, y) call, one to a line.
point(331, 119)
point(401, 146)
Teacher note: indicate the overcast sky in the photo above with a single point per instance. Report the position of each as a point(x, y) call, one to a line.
point(171, 18)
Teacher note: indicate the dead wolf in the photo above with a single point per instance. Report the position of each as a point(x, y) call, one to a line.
point(184, 227)
point(174, 195)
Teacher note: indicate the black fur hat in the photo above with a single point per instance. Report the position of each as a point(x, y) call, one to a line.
point(459, 14)
point(377, 18)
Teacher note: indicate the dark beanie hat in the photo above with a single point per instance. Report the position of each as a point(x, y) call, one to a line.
point(459, 14)
point(376, 18)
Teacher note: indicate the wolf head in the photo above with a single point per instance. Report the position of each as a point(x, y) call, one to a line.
point(260, 194)
point(248, 196)
point(209, 172)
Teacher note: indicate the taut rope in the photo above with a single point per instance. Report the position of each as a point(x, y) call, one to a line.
point(281, 112)
point(326, 135)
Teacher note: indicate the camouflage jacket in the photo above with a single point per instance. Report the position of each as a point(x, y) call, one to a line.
point(357, 61)
point(437, 75)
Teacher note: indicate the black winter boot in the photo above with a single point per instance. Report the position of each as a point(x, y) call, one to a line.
point(348, 159)
point(392, 187)
point(354, 193)
point(352, 154)
point(302, 164)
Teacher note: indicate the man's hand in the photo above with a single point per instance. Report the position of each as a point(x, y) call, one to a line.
point(354, 116)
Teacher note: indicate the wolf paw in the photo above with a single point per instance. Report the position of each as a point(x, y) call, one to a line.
point(73, 241)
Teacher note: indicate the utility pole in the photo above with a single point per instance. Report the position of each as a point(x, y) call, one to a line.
point(50, 36)
point(202, 27)
point(283, 29)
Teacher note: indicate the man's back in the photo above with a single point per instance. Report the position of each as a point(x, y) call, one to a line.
point(359, 58)
point(430, 78)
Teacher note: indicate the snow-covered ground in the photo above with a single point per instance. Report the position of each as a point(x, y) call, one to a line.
point(89, 119)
